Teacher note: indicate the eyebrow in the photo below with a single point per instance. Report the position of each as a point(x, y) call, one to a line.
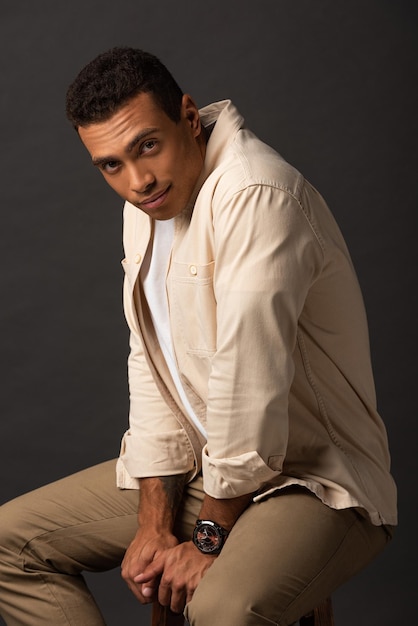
point(97, 161)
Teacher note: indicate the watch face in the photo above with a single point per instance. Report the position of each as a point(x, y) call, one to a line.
point(208, 538)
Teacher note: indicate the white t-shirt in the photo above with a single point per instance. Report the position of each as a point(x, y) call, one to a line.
point(153, 275)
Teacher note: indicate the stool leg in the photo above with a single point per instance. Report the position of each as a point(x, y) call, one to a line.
point(162, 616)
point(322, 615)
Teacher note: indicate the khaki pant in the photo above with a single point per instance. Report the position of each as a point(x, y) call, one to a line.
point(284, 555)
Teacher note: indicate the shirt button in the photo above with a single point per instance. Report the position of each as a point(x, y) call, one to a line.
point(193, 270)
point(138, 258)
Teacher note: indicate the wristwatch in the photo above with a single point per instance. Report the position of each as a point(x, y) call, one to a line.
point(208, 536)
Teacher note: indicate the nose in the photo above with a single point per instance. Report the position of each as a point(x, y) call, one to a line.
point(141, 180)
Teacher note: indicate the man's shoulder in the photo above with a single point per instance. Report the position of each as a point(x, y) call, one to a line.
point(249, 161)
point(237, 158)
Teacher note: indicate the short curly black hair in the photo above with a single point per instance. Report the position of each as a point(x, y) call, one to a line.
point(115, 77)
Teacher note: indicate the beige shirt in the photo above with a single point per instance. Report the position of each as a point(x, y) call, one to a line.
point(270, 337)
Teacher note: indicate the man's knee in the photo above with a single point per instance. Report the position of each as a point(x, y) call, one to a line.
point(11, 517)
point(228, 611)
point(11, 541)
point(207, 609)
point(18, 531)
point(228, 606)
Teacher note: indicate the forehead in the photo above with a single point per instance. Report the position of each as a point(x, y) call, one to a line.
point(140, 115)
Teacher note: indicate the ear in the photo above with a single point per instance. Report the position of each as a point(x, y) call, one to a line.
point(190, 113)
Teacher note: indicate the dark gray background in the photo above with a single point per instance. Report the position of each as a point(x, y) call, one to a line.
point(332, 86)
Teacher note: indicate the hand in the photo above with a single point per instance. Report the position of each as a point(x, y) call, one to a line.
point(146, 546)
point(180, 570)
point(159, 500)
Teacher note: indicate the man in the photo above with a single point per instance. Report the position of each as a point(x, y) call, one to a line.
point(252, 399)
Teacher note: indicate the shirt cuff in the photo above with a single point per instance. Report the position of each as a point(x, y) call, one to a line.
point(161, 454)
point(235, 476)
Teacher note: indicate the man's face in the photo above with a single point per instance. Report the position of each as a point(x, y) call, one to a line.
point(148, 159)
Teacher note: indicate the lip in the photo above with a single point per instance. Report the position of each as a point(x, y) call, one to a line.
point(156, 200)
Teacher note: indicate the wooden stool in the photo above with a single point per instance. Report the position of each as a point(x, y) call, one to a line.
point(162, 616)
point(322, 615)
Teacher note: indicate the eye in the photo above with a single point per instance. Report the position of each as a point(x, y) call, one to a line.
point(148, 145)
point(110, 167)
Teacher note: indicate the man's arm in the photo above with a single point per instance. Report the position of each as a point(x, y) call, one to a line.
point(158, 504)
point(224, 512)
point(159, 501)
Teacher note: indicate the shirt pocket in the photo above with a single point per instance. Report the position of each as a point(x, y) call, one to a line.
point(193, 307)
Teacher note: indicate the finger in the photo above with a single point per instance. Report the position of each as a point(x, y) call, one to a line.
point(172, 594)
point(144, 593)
point(164, 594)
point(178, 603)
point(178, 600)
point(137, 592)
point(149, 590)
point(152, 571)
point(189, 595)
